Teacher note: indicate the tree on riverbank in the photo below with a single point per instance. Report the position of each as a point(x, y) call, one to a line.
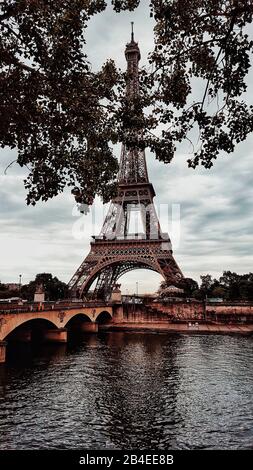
point(63, 117)
point(54, 288)
point(4, 293)
point(188, 287)
point(230, 286)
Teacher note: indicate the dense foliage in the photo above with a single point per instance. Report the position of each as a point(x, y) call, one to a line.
point(63, 117)
point(230, 286)
point(54, 288)
point(188, 286)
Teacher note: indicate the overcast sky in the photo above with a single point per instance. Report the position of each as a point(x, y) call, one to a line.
point(216, 216)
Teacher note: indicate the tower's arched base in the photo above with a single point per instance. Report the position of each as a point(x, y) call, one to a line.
point(109, 260)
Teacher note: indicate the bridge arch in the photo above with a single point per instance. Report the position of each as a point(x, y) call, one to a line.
point(77, 319)
point(19, 322)
point(104, 317)
point(82, 316)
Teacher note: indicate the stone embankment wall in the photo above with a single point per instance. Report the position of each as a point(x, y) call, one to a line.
point(230, 312)
point(178, 311)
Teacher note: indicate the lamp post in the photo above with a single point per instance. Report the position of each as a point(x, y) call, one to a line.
point(20, 281)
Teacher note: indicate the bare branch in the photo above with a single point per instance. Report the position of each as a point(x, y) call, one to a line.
point(8, 166)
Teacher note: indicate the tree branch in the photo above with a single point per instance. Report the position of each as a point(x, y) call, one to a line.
point(183, 52)
point(8, 166)
point(15, 61)
point(231, 27)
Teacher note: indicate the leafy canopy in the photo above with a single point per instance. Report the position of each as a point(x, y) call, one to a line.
point(230, 286)
point(54, 288)
point(63, 117)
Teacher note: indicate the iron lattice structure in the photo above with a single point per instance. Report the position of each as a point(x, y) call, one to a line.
point(116, 251)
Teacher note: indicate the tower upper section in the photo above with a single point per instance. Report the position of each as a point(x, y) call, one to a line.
point(133, 167)
point(133, 57)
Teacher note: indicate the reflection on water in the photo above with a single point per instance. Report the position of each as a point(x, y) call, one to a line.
point(129, 391)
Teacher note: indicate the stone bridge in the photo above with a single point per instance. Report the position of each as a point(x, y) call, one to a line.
point(51, 324)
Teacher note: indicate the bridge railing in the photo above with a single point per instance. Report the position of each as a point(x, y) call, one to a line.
point(49, 306)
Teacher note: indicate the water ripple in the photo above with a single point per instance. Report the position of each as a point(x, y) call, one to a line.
point(130, 391)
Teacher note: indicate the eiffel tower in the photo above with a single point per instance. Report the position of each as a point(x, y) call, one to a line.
point(116, 251)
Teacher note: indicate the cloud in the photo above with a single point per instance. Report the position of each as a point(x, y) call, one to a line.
point(215, 205)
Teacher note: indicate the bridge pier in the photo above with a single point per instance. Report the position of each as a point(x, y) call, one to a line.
point(56, 335)
point(88, 327)
point(118, 313)
point(3, 345)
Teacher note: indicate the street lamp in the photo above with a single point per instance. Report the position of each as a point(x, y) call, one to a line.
point(20, 280)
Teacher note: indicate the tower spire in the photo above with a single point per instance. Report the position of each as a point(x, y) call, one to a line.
point(133, 57)
point(132, 28)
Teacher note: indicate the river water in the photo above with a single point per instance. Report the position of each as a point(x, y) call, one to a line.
point(129, 391)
